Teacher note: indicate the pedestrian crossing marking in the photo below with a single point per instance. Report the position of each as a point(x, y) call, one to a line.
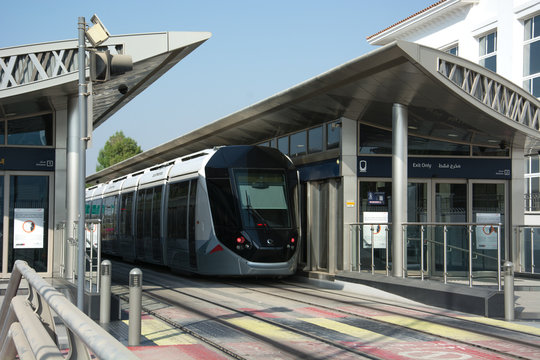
point(434, 329)
point(362, 334)
point(162, 334)
point(504, 324)
point(265, 329)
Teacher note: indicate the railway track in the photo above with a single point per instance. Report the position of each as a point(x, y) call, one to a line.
point(291, 320)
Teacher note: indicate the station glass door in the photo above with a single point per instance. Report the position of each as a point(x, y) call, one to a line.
point(25, 220)
point(324, 230)
point(450, 206)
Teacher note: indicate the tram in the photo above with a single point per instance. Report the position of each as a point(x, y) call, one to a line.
point(227, 211)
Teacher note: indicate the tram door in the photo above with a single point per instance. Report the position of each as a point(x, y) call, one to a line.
point(323, 224)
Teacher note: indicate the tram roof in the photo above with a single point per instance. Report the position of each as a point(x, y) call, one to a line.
point(445, 95)
point(40, 77)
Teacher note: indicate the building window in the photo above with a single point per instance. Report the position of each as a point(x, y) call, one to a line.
point(315, 140)
point(298, 144)
point(488, 51)
point(453, 49)
point(33, 131)
point(531, 56)
point(333, 135)
point(283, 144)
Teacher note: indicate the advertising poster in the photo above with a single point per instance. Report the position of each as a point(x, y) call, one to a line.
point(379, 230)
point(28, 229)
point(486, 235)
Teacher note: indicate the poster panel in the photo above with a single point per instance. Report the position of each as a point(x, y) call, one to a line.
point(28, 228)
point(379, 232)
point(486, 235)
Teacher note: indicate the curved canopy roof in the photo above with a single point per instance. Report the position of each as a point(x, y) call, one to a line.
point(444, 94)
point(40, 77)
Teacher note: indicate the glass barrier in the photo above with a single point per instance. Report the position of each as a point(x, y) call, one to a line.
point(436, 250)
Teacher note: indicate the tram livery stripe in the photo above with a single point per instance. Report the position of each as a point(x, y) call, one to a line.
point(503, 324)
point(435, 329)
point(265, 329)
point(363, 334)
point(162, 334)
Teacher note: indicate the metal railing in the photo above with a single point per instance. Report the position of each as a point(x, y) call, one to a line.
point(92, 254)
point(29, 330)
point(417, 237)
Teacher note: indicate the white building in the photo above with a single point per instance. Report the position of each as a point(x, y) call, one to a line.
point(502, 35)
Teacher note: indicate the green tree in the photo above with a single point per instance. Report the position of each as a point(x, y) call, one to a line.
point(117, 148)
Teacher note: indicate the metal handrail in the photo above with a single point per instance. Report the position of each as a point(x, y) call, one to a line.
point(36, 335)
point(445, 245)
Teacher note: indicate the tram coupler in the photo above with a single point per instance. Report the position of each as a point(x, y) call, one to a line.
point(105, 293)
point(509, 306)
point(135, 305)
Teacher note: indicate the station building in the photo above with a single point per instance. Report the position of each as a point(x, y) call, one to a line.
point(38, 98)
point(404, 134)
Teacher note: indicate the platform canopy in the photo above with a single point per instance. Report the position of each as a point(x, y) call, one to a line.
point(448, 98)
point(39, 77)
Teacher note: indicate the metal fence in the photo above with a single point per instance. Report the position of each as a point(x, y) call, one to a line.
point(69, 250)
point(28, 326)
point(437, 250)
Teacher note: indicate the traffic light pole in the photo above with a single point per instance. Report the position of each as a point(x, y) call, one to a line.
point(81, 162)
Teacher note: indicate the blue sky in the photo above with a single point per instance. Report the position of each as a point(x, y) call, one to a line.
point(257, 48)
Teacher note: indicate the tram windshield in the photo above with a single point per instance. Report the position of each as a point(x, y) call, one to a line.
point(263, 198)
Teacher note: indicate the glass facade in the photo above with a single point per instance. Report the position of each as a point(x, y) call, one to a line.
point(32, 131)
point(309, 141)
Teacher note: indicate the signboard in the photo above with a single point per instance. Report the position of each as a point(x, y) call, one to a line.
point(376, 198)
point(377, 232)
point(28, 229)
point(486, 235)
point(466, 168)
point(17, 158)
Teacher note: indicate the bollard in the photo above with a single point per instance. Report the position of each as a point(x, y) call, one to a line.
point(508, 269)
point(105, 293)
point(135, 305)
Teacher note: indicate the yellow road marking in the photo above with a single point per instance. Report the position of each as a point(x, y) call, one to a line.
point(362, 334)
point(504, 324)
point(265, 329)
point(162, 334)
point(435, 329)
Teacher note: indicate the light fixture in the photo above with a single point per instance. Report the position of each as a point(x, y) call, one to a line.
point(97, 33)
point(453, 135)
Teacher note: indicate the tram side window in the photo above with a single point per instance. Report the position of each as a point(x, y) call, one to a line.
point(177, 210)
point(126, 212)
point(192, 200)
point(147, 224)
point(156, 212)
point(140, 213)
point(96, 209)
